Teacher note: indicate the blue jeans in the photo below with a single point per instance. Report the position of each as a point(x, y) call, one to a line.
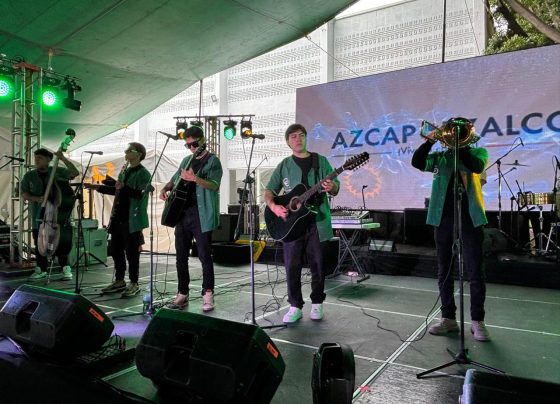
point(186, 230)
point(293, 261)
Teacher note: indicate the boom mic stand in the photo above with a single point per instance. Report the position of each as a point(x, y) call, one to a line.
point(248, 183)
point(461, 357)
point(149, 308)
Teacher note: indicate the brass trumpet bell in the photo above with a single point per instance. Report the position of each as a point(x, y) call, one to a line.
point(454, 127)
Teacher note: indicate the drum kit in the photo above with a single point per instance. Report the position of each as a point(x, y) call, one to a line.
point(530, 200)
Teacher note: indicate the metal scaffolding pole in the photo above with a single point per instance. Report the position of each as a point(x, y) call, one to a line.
point(26, 130)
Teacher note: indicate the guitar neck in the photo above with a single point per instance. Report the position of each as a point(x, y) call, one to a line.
point(50, 182)
point(317, 187)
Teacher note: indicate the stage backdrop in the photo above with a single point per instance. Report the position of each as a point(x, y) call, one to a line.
point(512, 98)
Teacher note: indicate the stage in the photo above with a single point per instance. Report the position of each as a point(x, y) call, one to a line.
point(383, 319)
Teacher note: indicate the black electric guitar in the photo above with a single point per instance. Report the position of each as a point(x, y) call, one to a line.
point(300, 212)
point(179, 195)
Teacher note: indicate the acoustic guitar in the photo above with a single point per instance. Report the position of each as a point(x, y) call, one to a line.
point(300, 212)
point(179, 195)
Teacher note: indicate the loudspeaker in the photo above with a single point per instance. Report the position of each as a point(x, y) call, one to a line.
point(494, 240)
point(94, 242)
point(209, 358)
point(54, 322)
point(334, 374)
point(226, 229)
point(483, 387)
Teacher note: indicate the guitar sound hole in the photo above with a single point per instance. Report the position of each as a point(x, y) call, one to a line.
point(294, 205)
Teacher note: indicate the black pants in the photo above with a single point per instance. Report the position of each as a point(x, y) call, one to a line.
point(472, 259)
point(126, 244)
point(61, 252)
point(186, 230)
point(293, 261)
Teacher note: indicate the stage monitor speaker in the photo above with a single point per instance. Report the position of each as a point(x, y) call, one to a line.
point(209, 358)
point(334, 374)
point(484, 387)
point(50, 321)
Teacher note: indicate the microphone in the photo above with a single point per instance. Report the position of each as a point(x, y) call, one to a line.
point(364, 186)
point(169, 135)
point(248, 134)
point(70, 132)
point(94, 152)
point(521, 141)
point(22, 160)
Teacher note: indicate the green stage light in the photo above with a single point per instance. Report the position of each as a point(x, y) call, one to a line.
point(6, 81)
point(229, 129)
point(50, 94)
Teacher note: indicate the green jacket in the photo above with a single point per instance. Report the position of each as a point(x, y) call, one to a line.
point(32, 183)
point(137, 181)
point(288, 174)
point(441, 165)
point(208, 201)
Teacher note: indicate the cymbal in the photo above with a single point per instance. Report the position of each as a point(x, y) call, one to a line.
point(516, 163)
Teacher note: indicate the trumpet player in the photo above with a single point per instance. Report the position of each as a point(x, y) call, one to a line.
point(129, 217)
point(471, 162)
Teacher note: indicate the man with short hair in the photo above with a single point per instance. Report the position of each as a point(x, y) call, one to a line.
point(308, 169)
point(200, 216)
point(470, 165)
point(129, 217)
point(33, 187)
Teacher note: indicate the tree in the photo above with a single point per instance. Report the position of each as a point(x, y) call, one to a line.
point(522, 24)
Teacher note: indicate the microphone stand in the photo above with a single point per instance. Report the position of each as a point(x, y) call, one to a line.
point(248, 183)
point(461, 357)
point(148, 309)
point(363, 198)
point(79, 195)
point(500, 177)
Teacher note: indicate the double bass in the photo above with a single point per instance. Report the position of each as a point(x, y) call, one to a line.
point(57, 205)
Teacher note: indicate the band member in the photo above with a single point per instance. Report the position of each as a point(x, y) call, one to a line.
point(306, 168)
point(472, 161)
point(200, 216)
point(33, 187)
point(128, 218)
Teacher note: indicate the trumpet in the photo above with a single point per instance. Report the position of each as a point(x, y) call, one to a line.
point(446, 135)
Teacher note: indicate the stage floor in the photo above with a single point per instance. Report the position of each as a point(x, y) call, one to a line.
point(382, 319)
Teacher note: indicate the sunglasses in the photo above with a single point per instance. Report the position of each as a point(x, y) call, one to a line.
point(192, 144)
point(130, 151)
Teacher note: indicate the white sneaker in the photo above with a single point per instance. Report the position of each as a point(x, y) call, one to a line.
point(66, 273)
point(316, 313)
point(208, 301)
point(293, 315)
point(37, 275)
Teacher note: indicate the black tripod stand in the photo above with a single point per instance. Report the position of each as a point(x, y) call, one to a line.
point(249, 180)
point(461, 357)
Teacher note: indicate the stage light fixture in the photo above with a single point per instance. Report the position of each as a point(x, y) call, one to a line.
point(50, 94)
point(197, 123)
point(6, 81)
point(246, 128)
point(181, 127)
point(229, 129)
point(70, 101)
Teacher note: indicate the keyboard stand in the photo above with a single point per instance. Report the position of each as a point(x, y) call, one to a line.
point(345, 247)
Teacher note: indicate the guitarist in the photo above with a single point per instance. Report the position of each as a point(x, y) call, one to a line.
point(306, 168)
point(200, 216)
point(33, 187)
point(129, 217)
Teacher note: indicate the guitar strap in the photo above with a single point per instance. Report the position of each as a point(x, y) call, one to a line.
point(318, 198)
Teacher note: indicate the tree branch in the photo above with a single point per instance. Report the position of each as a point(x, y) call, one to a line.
point(541, 26)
